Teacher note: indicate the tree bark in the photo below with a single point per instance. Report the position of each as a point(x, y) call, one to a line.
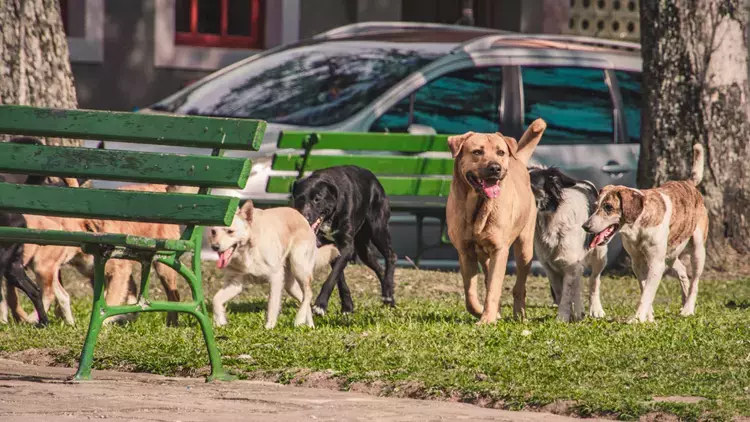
point(34, 62)
point(695, 83)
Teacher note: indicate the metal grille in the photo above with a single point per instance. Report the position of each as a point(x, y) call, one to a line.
point(613, 19)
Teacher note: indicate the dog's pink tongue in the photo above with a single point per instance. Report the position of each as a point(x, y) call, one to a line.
point(600, 237)
point(492, 191)
point(224, 258)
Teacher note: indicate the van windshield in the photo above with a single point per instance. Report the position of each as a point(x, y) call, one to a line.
point(307, 85)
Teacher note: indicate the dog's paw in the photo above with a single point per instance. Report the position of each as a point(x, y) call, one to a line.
point(563, 317)
point(32, 318)
point(389, 301)
point(317, 310)
point(269, 325)
point(596, 313)
point(641, 320)
point(685, 312)
point(485, 320)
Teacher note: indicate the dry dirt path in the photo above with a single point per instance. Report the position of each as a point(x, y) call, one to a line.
point(37, 393)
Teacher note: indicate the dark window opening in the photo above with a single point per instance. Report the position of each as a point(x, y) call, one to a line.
point(574, 101)
point(454, 103)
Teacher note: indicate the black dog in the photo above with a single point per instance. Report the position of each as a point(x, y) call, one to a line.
point(347, 206)
point(11, 254)
point(11, 266)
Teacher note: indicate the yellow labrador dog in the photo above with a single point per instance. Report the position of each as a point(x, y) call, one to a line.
point(277, 245)
point(491, 208)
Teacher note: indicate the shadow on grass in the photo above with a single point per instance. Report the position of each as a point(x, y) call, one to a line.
point(742, 304)
point(29, 378)
point(251, 307)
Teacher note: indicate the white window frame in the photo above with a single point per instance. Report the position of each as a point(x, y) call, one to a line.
point(90, 47)
point(280, 23)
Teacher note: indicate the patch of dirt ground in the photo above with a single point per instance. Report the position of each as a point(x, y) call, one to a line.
point(40, 393)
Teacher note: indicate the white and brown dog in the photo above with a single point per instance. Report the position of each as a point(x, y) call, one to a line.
point(658, 227)
point(275, 244)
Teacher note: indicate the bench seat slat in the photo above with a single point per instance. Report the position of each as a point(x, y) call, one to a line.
point(149, 207)
point(65, 238)
point(145, 167)
point(401, 142)
point(391, 165)
point(394, 186)
point(144, 128)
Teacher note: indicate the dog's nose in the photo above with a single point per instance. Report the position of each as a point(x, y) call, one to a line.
point(215, 248)
point(494, 168)
point(586, 227)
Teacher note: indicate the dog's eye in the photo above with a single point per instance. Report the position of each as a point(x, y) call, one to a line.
point(316, 200)
point(607, 208)
point(230, 231)
point(478, 152)
point(500, 153)
point(213, 232)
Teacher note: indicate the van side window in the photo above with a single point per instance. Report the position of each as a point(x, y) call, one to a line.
point(632, 101)
point(456, 102)
point(574, 101)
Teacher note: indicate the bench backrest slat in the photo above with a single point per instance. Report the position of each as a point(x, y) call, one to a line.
point(144, 167)
point(380, 165)
point(401, 142)
point(174, 208)
point(159, 129)
point(394, 186)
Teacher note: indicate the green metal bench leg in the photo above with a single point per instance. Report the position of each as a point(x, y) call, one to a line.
point(97, 318)
point(420, 240)
point(217, 369)
point(201, 313)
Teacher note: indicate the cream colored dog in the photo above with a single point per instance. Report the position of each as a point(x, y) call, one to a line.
point(277, 245)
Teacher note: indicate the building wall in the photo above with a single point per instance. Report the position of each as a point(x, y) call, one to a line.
point(126, 78)
point(125, 58)
point(123, 53)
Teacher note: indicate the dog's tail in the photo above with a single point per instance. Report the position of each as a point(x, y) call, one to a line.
point(325, 255)
point(698, 163)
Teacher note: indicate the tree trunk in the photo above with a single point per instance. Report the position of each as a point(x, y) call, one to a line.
point(695, 83)
point(34, 61)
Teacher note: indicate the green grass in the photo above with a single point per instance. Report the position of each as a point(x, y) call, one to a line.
point(430, 347)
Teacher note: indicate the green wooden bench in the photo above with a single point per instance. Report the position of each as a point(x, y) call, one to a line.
point(189, 211)
point(414, 184)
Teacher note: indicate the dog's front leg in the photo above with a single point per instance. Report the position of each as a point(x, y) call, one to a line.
point(645, 312)
point(470, 273)
point(570, 302)
point(598, 262)
point(337, 271)
point(230, 289)
point(494, 282)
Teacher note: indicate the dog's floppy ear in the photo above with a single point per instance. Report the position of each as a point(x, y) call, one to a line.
point(603, 191)
point(632, 204)
point(246, 212)
point(565, 180)
point(512, 144)
point(333, 189)
point(457, 141)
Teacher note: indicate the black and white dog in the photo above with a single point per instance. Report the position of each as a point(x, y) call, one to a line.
point(560, 242)
point(347, 206)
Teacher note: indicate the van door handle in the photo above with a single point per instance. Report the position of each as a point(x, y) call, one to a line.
point(614, 167)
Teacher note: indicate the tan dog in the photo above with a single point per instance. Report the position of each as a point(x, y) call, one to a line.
point(491, 208)
point(46, 260)
point(275, 245)
point(657, 225)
